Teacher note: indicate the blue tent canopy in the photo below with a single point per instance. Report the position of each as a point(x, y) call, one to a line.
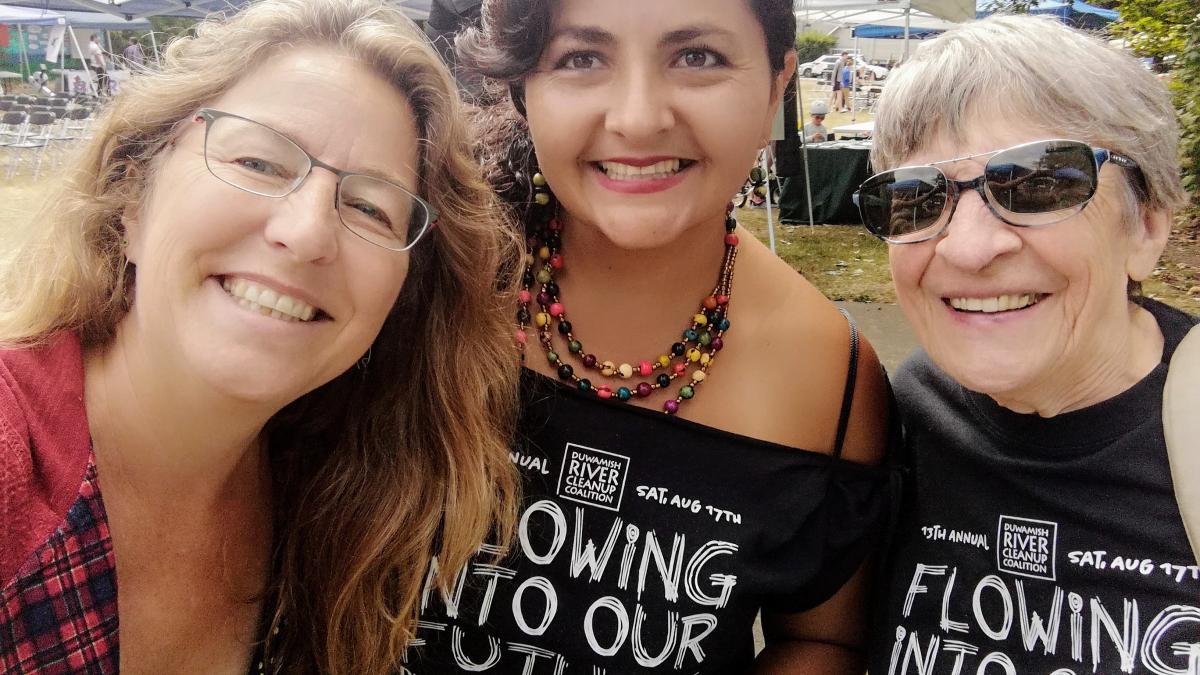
point(136, 9)
point(892, 32)
point(25, 16)
point(98, 21)
point(1074, 12)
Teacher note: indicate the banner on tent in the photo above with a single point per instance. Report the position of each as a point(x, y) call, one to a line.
point(54, 42)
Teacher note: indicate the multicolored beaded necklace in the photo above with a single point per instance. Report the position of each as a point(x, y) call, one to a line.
point(697, 349)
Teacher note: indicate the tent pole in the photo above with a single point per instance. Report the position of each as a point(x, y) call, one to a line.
point(63, 84)
point(83, 59)
point(766, 167)
point(803, 151)
point(854, 84)
point(24, 55)
point(154, 45)
point(907, 19)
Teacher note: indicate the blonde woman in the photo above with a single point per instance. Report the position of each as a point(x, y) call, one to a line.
point(256, 367)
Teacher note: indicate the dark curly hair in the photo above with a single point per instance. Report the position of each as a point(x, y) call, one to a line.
point(505, 49)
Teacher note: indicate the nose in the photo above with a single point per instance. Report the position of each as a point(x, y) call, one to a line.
point(306, 222)
point(974, 238)
point(640, 105)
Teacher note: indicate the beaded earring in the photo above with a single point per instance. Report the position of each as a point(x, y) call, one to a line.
point(697, 349)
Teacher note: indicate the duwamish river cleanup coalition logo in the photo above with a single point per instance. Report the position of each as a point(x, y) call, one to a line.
point(592, 477)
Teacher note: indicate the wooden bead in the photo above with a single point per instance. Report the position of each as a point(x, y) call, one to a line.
point(607, 369)
point(626, 370)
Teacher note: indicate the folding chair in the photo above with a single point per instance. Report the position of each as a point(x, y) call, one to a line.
point(12, 127)
point(39, 130)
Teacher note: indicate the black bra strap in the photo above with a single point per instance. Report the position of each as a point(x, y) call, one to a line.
point(848, 394)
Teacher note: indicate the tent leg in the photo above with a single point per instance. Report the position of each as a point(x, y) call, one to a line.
point(907, 21)
point(766, 167)
point(154, 44)
point(804, 151)
point(25, 71)
point(83, 58)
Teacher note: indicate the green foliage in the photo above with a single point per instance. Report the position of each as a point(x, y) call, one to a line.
point(1187, 99)
point(1156, 27)
point(1171, 28)
point(1011, 6)
point(811, 44)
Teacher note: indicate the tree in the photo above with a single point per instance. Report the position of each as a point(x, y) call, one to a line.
point(1011, 6)
point(1170, 28)
point(811, 45)
point(1157, 28)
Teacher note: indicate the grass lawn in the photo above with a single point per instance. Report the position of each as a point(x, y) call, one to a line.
point(846, 263)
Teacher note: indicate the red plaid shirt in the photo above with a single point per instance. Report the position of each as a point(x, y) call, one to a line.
point(58, 585)
point(59, 613)
point(58, 581)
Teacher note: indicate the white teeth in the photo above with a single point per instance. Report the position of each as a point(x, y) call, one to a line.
point(658, 170)
point(1001, 303)
point(267, 301)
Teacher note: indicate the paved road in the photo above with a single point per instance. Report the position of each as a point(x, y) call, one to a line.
point(885, 327)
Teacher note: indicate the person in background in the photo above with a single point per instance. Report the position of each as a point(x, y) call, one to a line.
point(40, 80)
point(837, 97)
point(815, 131)
point(847, 90)
point(701, 429)
point(98, 62)
point(134, 57)
point(248, 388)
point(78, 86)
point(1022, 212)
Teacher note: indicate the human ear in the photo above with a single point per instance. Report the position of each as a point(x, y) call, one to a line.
point(132, 232)
point(1147, 239)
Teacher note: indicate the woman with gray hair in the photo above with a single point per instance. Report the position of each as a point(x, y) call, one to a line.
point(1022, 209)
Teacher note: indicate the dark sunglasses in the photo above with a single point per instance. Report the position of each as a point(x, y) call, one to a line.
point(1026, 185)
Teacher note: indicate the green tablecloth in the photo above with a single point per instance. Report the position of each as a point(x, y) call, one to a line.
point(837, 170)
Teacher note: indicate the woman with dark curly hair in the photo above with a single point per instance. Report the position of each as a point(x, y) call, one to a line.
point(701, 427)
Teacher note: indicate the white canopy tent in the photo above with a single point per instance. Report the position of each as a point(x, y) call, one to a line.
point(940, 14)
point(417, 10)
point(69, 20)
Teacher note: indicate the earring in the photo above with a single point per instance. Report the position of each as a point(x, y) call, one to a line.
point(541, 189)
point(365, 361)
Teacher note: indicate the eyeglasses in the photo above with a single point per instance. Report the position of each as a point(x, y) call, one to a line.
point(256, 158)
point(1026, 185)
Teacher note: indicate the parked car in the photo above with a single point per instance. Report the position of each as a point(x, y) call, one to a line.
point(823, 67)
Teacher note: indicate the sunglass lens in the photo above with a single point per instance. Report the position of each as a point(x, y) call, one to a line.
point(1041, 183)
point(901, 205)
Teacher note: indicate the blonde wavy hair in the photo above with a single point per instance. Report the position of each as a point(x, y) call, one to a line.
point(376, 471)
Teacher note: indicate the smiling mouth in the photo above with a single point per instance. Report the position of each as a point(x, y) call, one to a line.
point(658, 171)
point(995, 305)
point(269, 302)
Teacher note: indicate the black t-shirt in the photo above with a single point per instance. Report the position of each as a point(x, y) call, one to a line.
point(648, 543)
point(1038, 546)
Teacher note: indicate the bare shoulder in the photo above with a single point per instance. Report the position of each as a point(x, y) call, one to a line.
point(801, 358)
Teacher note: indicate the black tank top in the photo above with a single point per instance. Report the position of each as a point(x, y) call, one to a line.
point(648, 543)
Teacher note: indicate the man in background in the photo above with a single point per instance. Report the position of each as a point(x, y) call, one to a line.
point(98, 62)
point(838, 98)
point(134, 57)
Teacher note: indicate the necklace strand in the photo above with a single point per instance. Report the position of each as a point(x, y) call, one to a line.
point(697, 347)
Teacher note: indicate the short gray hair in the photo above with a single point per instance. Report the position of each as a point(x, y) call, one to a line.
point(1020, 66)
